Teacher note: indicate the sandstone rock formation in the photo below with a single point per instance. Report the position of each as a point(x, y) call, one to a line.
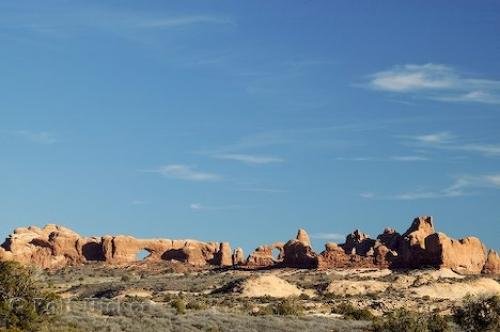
point(262, 256)
point(224, 256)
point(466, 255)
point(420, 246)
point(56, 246)
point(358, 243)
point(303, 237)
point(298, 252)
point(238, 257)
point(492, 264)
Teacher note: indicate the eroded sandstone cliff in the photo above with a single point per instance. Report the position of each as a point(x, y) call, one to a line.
point(420, 246)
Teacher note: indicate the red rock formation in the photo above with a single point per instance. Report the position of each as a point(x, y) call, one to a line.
point(55, 246)
point(224, 256)
point(298, 253)
point(303, 237)
point(389, 238)
point(358, 243)
point(465, 255)
point(238, 257)
point(263, 256)
point(411, 246)
point(492, 264)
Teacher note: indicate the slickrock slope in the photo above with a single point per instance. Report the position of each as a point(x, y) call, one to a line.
point(420, 246)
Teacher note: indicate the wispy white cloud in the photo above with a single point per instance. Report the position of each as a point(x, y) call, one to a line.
point(66, 22)
point(408, 158)
point(435, 138)
point(201, 207)
point(328, 236)
point(264, 190)
point(367, 195)
point(185, 172)
point(446, 140)
point(484, 149)
point(251, 159)
point(195, 206)
point(178, 21)
point(355, 158)
point(462, 186)
point(436, 81)
point(39, 137)
point(411, 77)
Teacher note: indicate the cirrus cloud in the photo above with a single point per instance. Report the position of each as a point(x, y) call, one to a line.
point(250, 159)
point(437, 82)
point(185, 172)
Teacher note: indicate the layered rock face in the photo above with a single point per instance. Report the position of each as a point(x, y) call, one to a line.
point(420, 246)
point(55, 246)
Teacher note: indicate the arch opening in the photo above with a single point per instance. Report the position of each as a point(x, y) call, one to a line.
point(142, 254)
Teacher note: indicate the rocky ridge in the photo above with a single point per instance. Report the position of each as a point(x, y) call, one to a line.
point(420, 246)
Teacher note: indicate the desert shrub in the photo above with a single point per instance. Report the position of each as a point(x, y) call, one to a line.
point(350, 312)
point(479, 314)
point(437, 323)
point(404, 320)
point(125, 278)
point(22, 305)
point(180, 306)
point(263, 310)
point(288, 307)
point(196, 305)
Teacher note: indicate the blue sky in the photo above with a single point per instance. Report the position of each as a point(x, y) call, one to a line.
point(243, 121)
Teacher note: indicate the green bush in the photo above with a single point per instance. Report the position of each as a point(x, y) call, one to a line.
point(180, 306)
point(350, 312)
point(479, 314)
point(22, 305)
point(404, 320)
point(288, 307)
